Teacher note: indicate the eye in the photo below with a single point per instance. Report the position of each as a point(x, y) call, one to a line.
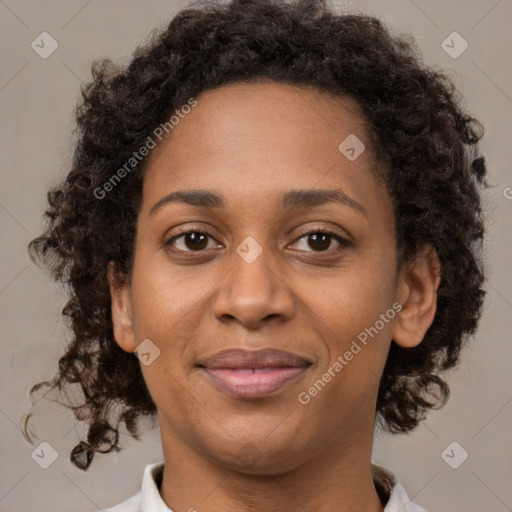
point(195, 240)
point(320, 240)
point(190, 241)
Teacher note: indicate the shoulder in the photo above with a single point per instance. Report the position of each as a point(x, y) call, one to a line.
point(148, 498)
point(391, 492)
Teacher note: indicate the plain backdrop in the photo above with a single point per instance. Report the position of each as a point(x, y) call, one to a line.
point(37, 97)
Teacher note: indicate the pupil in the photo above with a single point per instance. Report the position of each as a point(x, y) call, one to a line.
point(319, 240)
point(196, 238)
point(322, 238)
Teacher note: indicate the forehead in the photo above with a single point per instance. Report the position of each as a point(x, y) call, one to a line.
point(254, 141)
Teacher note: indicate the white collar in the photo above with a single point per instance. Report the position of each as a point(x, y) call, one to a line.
point(387, 483)
point(148, 499)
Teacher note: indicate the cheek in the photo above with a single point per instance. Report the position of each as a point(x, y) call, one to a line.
point(352, 299)
point(166, 311)
point(358, 342)
point(347, 310)
point(164, 302)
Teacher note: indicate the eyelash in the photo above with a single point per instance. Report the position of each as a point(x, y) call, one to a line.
point(344, 243)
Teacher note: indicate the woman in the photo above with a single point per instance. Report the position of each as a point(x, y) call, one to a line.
point(276, 209)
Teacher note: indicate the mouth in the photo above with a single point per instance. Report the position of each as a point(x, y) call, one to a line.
point(255, 373)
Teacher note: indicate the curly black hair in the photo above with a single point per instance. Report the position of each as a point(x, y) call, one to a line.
point(424, 141)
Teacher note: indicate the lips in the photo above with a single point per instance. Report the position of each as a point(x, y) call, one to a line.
point(253, 373)
point(262, 358)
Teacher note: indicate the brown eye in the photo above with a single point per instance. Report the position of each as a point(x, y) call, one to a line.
point(190, 241)
point(321, 241)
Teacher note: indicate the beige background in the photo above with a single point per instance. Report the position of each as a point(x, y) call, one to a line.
point(36, 100)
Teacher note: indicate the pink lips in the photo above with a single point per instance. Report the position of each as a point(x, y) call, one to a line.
point(255, 373)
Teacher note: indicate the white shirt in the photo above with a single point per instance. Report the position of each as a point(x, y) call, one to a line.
point(148, 499)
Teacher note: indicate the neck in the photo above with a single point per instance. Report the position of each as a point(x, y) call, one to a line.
point(339, 479)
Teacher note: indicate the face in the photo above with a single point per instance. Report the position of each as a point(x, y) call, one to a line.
point(253, 287)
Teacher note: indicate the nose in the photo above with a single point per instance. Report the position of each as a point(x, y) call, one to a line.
point(254, 293)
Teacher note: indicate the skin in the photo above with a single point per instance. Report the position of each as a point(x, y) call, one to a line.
point(250, 143)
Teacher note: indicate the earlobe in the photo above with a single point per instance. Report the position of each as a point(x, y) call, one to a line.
point(121, 312)
point(417, 293)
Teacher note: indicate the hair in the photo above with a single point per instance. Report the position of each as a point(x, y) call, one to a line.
point(424, 141)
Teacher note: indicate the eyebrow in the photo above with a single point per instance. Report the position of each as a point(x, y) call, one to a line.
point(291, 200)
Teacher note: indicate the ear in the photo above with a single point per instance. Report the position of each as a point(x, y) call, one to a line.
point(121, 312)
point(417, 293)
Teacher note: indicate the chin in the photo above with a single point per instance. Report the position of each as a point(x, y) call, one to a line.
point(260, 454)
